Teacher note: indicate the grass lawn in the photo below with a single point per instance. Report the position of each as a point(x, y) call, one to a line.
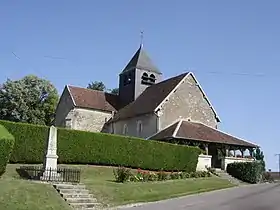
point(21, 194)
point(18, 194)
point(100, 180)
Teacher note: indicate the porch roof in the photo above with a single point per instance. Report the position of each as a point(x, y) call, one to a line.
point(199, 132)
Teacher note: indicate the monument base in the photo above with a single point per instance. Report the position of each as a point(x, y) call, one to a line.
point(51, 176)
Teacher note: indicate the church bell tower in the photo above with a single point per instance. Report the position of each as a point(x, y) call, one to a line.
point(139, 73)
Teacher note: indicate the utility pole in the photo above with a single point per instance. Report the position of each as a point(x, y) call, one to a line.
point(278, 163)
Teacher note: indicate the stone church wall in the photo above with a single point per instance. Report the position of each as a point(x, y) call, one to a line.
point(187, 102)
point(88, 120)
point(64, 106)
point(149, 126)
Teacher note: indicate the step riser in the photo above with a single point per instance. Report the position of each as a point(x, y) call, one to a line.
point(84, 205)
point(77, 196)
point(76, 192)
point(70, 188)
point(66, 196)
point(81, 200)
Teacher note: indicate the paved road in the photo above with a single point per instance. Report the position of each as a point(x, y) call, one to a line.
point(252, 197)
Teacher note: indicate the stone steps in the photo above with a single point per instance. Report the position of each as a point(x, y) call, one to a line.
point(77, 196)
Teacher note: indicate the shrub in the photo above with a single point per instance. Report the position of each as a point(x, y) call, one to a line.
point(122, 174)
point(212, 171)
point(175, 175)
point(30, 142)
point(187, 175)
point(145, 176)
point(107, 149)
point(250, 172)
point(80, 147)
point(6, 147)
point(161, 176)
point(267, 177)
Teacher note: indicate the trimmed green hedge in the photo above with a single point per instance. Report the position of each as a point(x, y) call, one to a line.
point(80, 147)
point(107, 149)
point(246, 171)
point(6, 147)
point(30, 142)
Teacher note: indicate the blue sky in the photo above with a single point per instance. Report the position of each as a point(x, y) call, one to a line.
point(218, 40)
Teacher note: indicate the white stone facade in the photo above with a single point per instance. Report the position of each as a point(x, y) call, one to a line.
point(204, 162)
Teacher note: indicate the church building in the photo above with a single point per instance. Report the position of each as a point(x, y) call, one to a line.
point(148, 107)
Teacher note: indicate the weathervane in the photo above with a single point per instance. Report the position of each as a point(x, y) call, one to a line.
point(141, 38)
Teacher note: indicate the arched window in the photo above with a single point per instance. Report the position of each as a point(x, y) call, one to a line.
point(152, 78)
point(145, 78)
point(125, 129)
point(139, 128)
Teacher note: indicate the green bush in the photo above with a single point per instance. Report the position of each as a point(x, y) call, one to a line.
point(175, 175)
point(30, 142)
point(250, 172)
point(122, 174)
point(6, 147)
point(161, 176)
point(107, 149)
point(80, 147)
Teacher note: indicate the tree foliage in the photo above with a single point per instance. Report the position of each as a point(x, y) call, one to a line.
point(115, 91)
point(98, 85)
point(30, 99)
point(260, 157)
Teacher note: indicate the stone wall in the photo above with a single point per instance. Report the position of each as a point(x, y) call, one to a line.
point(187, 102)
point(88, 120)
point(149, 126)
point(65, 105)
point(203, 162)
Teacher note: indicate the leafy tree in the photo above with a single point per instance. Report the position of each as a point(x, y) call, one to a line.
point(97, 86)
point(30, 99)
point(260, 157)
point(115, 91)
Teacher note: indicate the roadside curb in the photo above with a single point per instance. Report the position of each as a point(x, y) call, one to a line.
point(184, 196)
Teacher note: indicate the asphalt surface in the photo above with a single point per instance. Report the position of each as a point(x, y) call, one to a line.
point(252, 197)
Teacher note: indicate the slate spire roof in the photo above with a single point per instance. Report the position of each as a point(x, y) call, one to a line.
point(141, 60)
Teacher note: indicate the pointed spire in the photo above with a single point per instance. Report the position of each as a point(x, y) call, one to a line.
point(141, 60)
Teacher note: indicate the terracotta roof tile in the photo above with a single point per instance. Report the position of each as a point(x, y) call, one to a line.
point(93, 99)
point(165, 133)
point(201, 132)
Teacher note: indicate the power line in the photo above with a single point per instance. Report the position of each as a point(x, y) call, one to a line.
point(53, 57)
point(190, 69)
point(235, 73)
point(16, 55)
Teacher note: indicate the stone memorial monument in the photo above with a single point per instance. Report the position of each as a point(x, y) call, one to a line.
point(50, 161)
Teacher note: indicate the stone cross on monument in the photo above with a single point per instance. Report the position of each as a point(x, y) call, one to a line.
point(50, 161)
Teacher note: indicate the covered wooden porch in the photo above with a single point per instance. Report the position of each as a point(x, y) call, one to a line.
point(220, 147)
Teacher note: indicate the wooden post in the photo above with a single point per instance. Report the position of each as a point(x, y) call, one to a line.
point(251, 152)
point(242, 150)
point(206, 149)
